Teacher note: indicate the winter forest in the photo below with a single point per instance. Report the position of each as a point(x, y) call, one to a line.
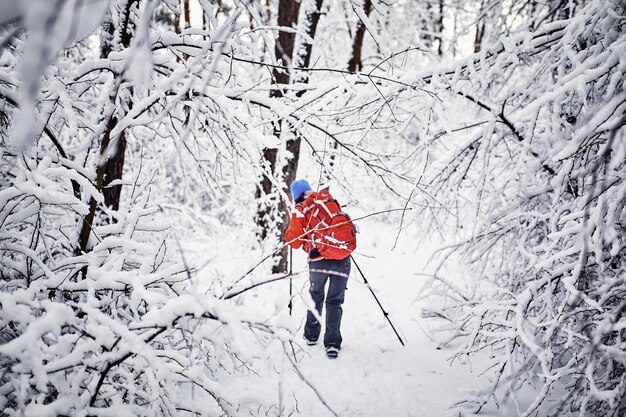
point(147, 147)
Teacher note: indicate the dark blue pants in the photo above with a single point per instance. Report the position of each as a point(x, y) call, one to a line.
point(336, 273)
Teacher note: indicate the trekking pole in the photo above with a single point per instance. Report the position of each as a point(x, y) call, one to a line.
point(376, 298)
point(290, 281)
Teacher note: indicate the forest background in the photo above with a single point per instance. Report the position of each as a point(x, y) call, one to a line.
point(147, 143)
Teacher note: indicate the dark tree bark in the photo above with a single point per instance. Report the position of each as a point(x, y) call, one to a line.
point(114, 165)
point(187, 19)
point(112, 168)
point(187, 13)
point(177, 23)
point(440, 29)
point(480, 28)
point(268, 9)
point(100, 174)
point(288, 11)
point(478, 37)
point(313, 17)
point(354, 64)
point(205, 22)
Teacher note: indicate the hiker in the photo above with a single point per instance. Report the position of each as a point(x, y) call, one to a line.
point(327, 235)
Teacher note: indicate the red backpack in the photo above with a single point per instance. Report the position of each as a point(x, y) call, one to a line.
point(332, 230)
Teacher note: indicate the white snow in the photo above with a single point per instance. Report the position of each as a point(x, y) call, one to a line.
point(374, 375)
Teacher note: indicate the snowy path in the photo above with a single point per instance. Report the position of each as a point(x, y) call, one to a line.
point(374, 375)
point(377, 376)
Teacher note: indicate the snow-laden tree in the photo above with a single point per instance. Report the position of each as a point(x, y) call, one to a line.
point(98, 313)
point(535, 169)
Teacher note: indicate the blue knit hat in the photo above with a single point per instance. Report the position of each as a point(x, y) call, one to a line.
point(299, 187)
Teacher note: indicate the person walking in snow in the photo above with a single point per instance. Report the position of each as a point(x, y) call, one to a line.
point(327, 235)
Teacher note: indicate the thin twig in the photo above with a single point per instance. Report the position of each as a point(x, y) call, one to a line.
point(307, 382)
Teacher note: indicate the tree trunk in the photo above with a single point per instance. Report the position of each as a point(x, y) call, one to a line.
point(290, 168)
point(112, 168)
point(480, 28)
point(100, 174)
point(455, 27)
point(187, 13)
point(268, 9)
point(313, 18)
point(205, 22)
point(177, 23)
point(354, 64)
point(114, 165)
point(440, 29)
point(268, 214)
point(478, 37)
point(288, 11)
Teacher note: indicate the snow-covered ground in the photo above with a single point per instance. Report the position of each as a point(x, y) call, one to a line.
point(374, 375)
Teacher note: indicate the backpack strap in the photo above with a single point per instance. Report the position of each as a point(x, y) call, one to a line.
point(307, 207)
point(322, 203)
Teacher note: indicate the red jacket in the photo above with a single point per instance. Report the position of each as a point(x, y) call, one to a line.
point(298, 233)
